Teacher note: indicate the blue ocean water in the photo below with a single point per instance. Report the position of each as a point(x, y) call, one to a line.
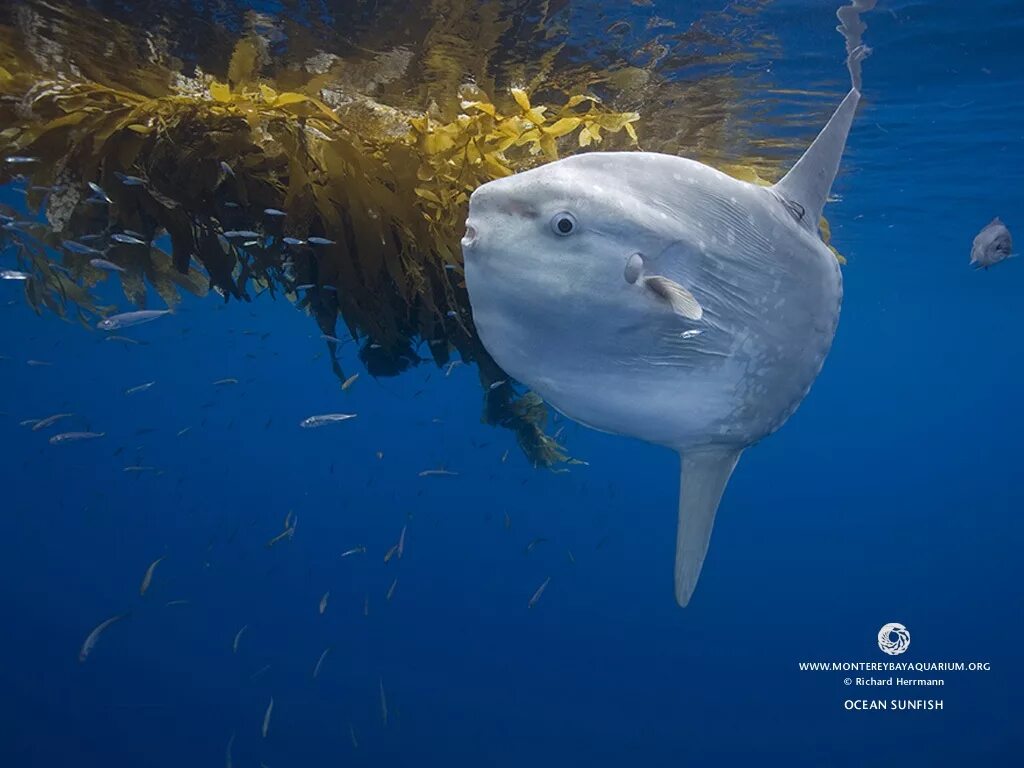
point(891, 496)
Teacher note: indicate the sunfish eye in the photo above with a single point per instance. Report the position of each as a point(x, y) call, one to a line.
point(563, 223)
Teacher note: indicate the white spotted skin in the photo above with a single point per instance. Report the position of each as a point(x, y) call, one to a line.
point(557, 313)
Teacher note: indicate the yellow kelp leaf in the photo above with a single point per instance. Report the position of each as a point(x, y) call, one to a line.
point(536, 115)
point(631, 131)
point(615, 122)
point(269, 94)
point(139, 128)
point(563, 126)
point(243, 63)
point(590, 133)
point(220, 92)
point(521, 99)
point(825, 229)
point(426, 194)
point(575, 101)
point(486, 107)
point(287, 98)
point(547, 145)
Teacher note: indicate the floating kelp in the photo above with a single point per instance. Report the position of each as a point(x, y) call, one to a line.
point(339, 180)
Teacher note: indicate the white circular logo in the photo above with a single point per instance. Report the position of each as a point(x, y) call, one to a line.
point(894, 639)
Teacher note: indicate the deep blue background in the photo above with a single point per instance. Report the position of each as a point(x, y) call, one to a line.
point(892, 495)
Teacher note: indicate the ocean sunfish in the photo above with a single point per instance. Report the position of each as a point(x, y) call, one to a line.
point(652, 296)
point(992, 245)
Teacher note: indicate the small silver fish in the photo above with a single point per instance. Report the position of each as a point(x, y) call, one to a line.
point(538, 593)
point(324, 419)
point(20, 160)
point(391, 589)
point(401, 542)
point(99, 192)
point(451, 366)
point(13, 274)
point(533, 544)
point(147, 579)
point(94, 636)
point(383, 703)
point(241, 233)
point(320, 241)
point(139, 388)
point(349, 381)
point(323, 602)
point(122, 339)
point(73, 437)
point(354, 551)
point(437, 472)
point(692, 333)
point(294, 241)
point(109, 266)
point(128, 319)
point(266, 717)
point(129, 181)
point(274, 212)
point(120, 237)
point(320, 662)
point(287, 533)
point(992, 245)
point(497, 384)
point(259, 672)
point(238, 638)
point(183, 431)
point(49, 421)
point(79, 248)
point(224, 382)
point(228, 170)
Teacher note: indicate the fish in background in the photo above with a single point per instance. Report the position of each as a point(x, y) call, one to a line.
point(992, 245)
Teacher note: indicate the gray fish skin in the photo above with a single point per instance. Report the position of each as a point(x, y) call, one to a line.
point(563, 307)
point(992, 245)
point(128, 319)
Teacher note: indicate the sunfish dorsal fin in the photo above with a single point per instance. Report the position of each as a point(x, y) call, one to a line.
point(702, 480)
point(809, 181)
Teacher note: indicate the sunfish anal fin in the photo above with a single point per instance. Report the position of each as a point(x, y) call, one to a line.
point(683, 302)
point(703, 477)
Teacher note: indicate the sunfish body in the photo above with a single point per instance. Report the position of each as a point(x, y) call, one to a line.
point(652, 296)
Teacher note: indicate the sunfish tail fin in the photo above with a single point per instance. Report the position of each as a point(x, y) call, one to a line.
point(703, 477)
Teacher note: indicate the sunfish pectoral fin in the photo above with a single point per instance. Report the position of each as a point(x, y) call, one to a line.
point(683, 302)
point(703, 477)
